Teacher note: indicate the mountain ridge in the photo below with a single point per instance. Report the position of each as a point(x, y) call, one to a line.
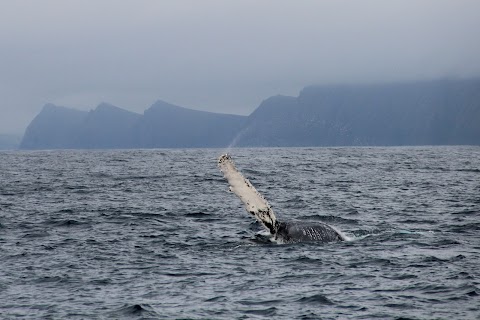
point(111, 127)
point(414, 113)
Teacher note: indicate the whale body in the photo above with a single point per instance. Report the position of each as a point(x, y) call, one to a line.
point(257, 205)
point(294, 231)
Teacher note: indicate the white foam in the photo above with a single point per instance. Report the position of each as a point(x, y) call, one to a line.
point(342, 234)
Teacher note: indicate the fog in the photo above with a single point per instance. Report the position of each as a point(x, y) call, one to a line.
point(222, 56)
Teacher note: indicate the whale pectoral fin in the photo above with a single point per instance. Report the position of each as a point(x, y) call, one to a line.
point(253, 201)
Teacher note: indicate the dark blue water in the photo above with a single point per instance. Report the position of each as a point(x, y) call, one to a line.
point(147, 234)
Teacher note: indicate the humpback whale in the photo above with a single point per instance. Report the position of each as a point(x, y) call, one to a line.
point(257, 205)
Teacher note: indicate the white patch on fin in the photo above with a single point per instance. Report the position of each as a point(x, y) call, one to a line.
point(254, 202)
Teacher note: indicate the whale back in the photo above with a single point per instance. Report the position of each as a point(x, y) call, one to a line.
point(298, 231)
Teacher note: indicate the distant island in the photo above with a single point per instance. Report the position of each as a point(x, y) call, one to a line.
point(442, 112)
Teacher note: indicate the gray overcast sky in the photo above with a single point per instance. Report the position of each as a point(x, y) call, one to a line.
point(220, 55)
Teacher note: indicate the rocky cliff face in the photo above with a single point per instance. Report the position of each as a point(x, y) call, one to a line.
point(168, 126)
point(107, 127)
point(424, 113)
point(53, 128)
point(161, 126)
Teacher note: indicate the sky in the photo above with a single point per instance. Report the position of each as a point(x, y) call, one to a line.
point(220, 55)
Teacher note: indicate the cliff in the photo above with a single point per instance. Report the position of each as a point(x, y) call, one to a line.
point(443, 112)
point(161, 126)
point(424, 113)
point(54, 127)
point(168, 126)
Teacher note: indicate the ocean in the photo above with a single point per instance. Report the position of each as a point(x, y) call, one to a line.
point(155, 234)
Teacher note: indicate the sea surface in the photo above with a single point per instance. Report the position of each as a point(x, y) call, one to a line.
point(155, 234)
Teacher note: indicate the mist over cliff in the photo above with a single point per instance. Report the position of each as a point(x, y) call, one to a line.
point(9, 141)
point(442, 112)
